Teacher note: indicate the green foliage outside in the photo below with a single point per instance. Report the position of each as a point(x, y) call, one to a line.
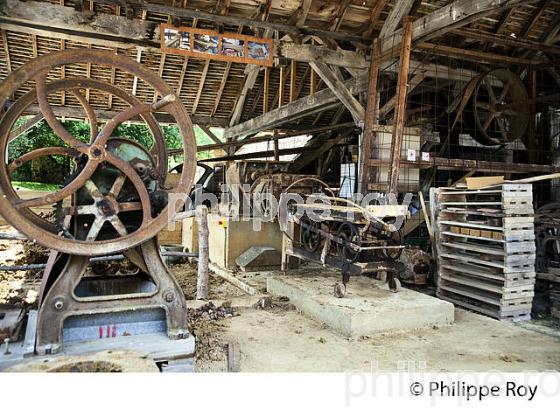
point(42, 136)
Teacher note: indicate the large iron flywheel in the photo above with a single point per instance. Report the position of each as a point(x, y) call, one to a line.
point(114, 195)
point(500, 107)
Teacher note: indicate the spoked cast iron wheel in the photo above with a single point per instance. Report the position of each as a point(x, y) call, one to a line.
point(99, 153)
point(349, 234)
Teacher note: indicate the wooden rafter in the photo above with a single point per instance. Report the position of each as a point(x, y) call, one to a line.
point(138, 59)
point(507, 40)
point(504, 20)
point(293, 77)
point(543, 5)
point(225, 78)
point(6, 50)
point(374, 17)
point(303, 11)
point(113, 69)
point(447, 18)
point(339, 15)
point(400, 9)
point(340, 90)
point(201, 85)
point(473, 55)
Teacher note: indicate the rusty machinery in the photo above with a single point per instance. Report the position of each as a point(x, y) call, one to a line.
point(499, 107)
point(342, 234)
point(114, 198)
point(547, 236)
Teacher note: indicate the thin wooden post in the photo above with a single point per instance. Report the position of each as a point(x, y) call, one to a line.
point(371, 118)
point(266, 89)
point(293, 75)
point(532, 138)
point(276, 146)
point(400, 109)
point(201, 215)
point(281, 86)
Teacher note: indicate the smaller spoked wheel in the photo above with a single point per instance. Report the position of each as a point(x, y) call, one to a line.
point(260, 194)
point(351, 239)
point(393, 254)
point(311, 237)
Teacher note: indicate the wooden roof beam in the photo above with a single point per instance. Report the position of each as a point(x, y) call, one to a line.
point(6, 50)
point(178, 12)
point(400, 9)
point(374, 17)
point(535, 18)
point(447, 18)
point(326, 99)
point(507, 40)
point(115, 31)
point(106, 115)
point(339, 89)
point(200, 86)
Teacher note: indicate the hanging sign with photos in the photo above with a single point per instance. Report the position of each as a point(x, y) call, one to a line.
point(195, 42)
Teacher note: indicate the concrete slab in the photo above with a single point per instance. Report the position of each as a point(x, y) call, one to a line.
point(368, 307)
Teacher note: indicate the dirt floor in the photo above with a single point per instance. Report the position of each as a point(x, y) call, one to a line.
point(263, 334)
point(20, 287)
point(282, 341)
point(278, 338)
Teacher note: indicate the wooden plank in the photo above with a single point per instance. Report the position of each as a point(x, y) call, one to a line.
point(6, 50)
point(252, 73)
point(266, 89)
point(400, 9)
point(371, 118)
point(507, 40)
point(454, 15)
point(106, 115)
point(190, 13)
point(481, 182)
point(389, 105)
point(400, 109)
point(340, 90)
point(473, 55)
point(115, 31)
point(374, 17)
point(290, 112)
point(200, 86)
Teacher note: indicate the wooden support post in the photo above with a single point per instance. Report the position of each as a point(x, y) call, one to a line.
point(313, 82)
point(266, 89)
point(293, 76)
point(281, 86)
point(201, 215)
point(371, 118)
point(400, 109)
point(531, 135)
point(276, 146)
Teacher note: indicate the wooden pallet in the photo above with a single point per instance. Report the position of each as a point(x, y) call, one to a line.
point(520, 315)
point(486, 251)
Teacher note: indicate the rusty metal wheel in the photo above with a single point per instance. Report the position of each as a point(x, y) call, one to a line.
point(140, 172)
point(260, 193)
point(351, 240)
point(500, 107)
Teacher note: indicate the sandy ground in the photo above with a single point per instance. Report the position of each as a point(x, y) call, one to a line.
point(287, 341)
point(278, 338)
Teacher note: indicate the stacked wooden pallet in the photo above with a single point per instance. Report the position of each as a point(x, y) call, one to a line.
point(485, 243)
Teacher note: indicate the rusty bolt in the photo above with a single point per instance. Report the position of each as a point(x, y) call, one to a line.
point(169, 296)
